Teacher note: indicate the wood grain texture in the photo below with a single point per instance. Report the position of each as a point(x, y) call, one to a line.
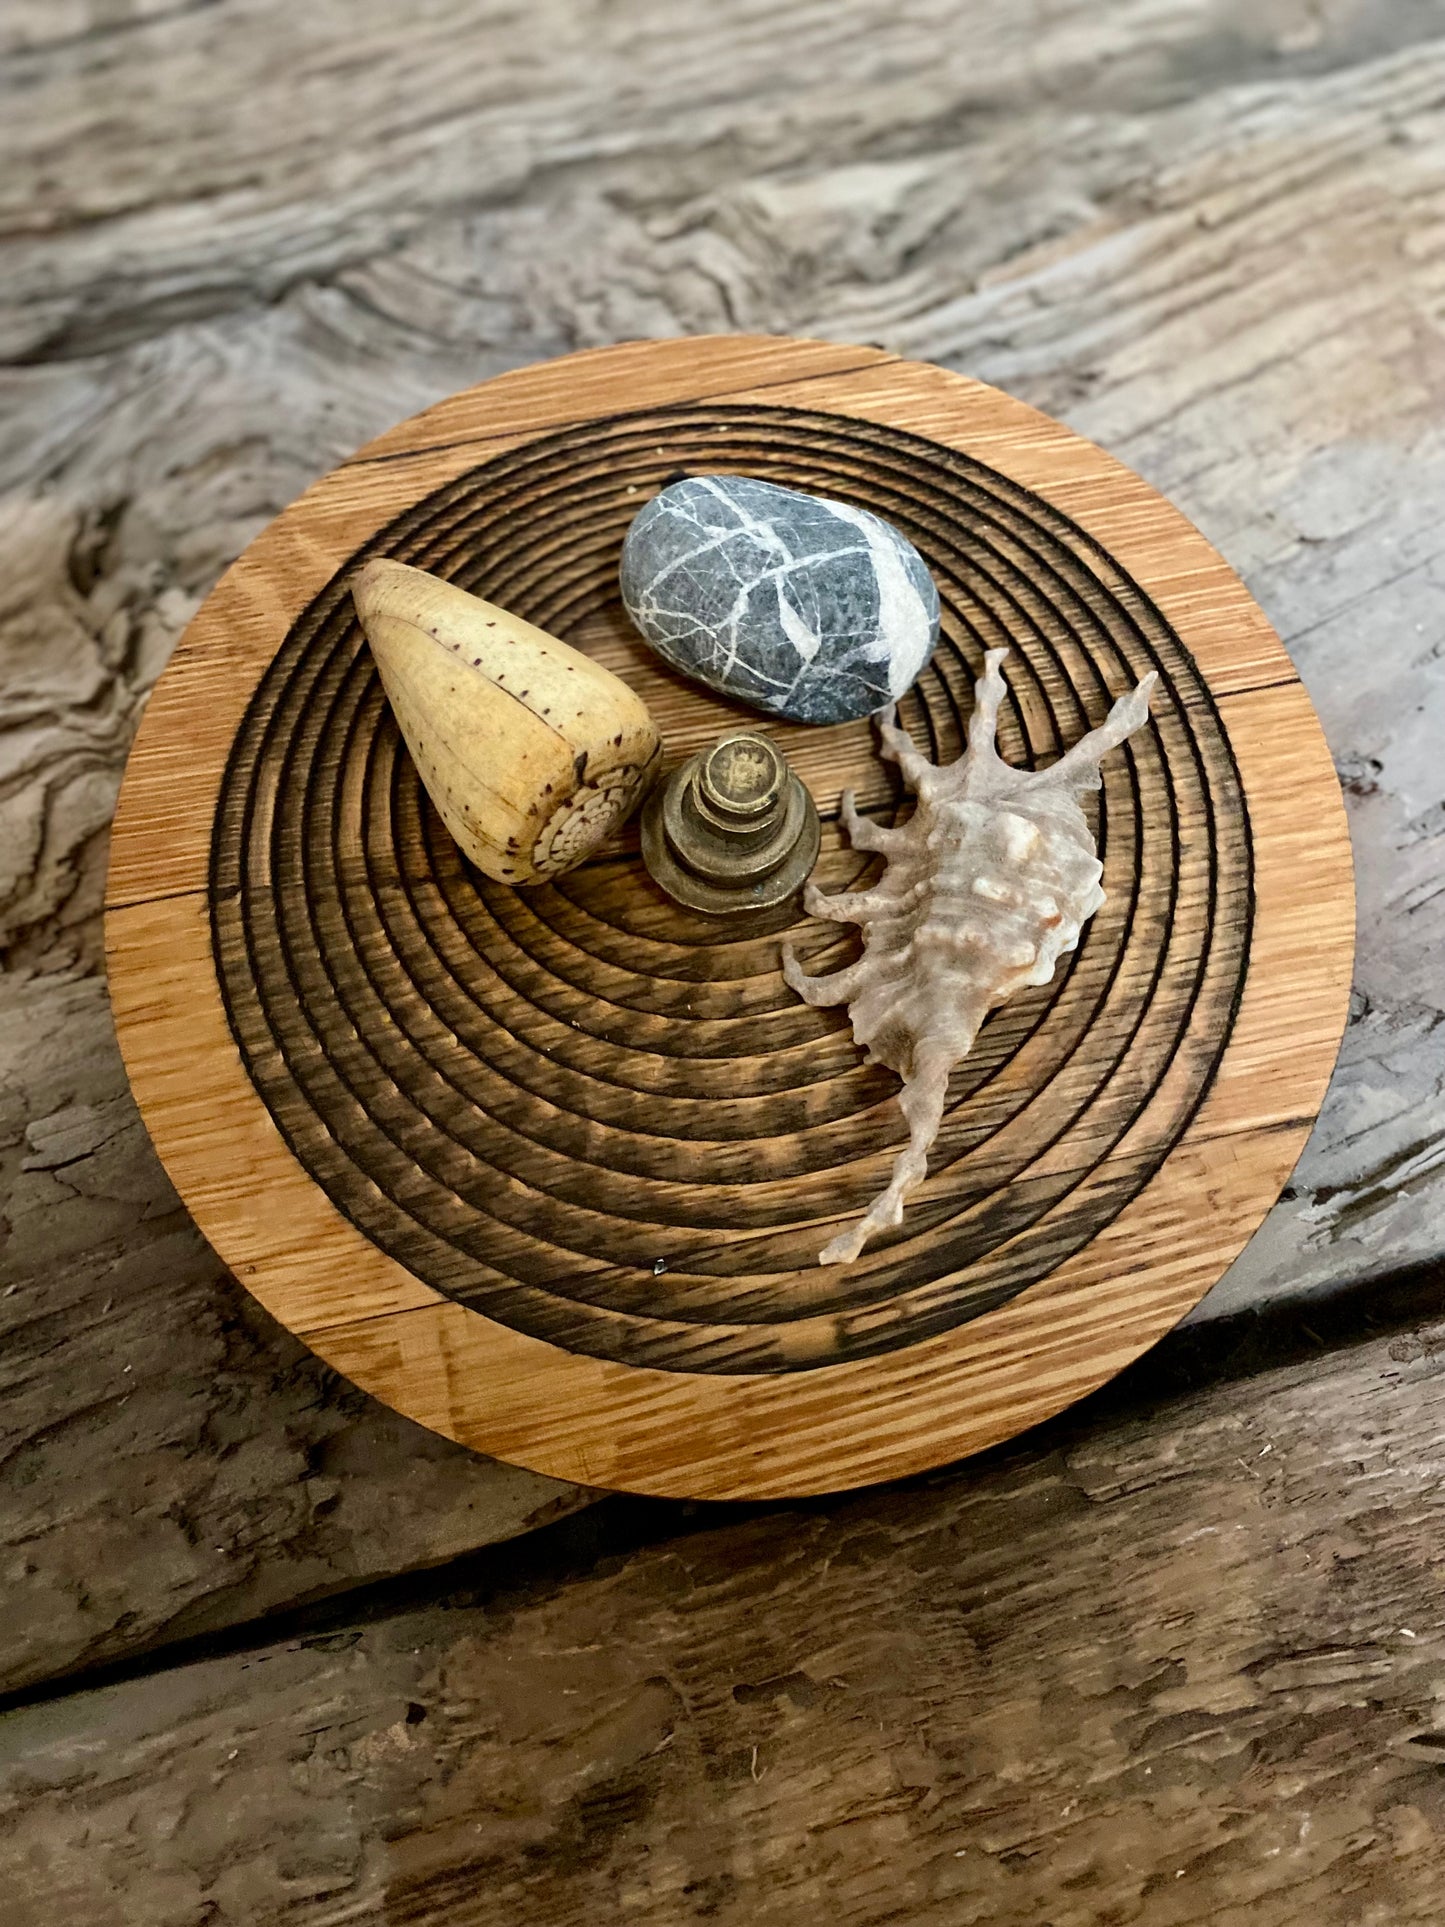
point(592, 1253)
point(1222, 260)
point(1170, 1663)
point(171, 1460)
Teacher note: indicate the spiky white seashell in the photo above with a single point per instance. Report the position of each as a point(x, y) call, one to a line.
point(985, 887)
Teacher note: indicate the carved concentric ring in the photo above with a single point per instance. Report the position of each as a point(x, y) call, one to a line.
point(604, 1121)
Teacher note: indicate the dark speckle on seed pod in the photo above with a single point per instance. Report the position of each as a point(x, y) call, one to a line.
point(794, 603)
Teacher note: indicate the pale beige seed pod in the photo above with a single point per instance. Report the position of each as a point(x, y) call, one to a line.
point(532, 752)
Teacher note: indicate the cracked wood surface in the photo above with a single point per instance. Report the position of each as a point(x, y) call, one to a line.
point(1175, 1661)
point(239, 239)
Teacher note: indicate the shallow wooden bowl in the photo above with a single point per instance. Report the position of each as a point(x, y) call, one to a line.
point(549, 1171)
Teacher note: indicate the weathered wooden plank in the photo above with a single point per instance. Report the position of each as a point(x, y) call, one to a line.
point(174, 162)
point(1168, 1664)
point(171, 1459)
point(1221, 259)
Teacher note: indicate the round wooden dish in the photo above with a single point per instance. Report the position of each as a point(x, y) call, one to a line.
point(548, 1171)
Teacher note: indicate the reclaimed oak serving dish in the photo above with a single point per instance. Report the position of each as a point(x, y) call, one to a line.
point(548, 1171)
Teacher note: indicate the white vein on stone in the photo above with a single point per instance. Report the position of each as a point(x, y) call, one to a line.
point(905, 629)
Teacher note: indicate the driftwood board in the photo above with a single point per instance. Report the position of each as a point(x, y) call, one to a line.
point(1173, 1661)
point(547, 1171)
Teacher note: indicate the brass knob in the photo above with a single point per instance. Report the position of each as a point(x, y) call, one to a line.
point(732, 829)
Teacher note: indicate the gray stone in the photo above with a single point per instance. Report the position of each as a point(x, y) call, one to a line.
point(795, 603)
